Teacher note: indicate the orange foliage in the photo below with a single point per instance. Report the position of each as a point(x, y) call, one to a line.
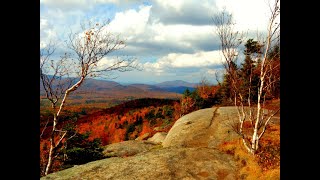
point(187, 105)
point(177, 110)
point(266, 163)
point(111, 125)
point(123, 119)
point(206, 91)
point(115, 124)
point(145, 128)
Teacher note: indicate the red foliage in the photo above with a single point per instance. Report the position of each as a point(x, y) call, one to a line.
point(187, 105)
point(177, 110)
point(111, 125)
point(116, 124)
point(145, 128)
point(206, 91)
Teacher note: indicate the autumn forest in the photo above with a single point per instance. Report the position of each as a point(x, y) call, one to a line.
point(83, 108)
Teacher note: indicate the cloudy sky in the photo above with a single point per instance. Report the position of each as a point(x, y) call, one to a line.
point(171, 39)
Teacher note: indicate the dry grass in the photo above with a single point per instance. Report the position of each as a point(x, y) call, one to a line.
point(265, 164)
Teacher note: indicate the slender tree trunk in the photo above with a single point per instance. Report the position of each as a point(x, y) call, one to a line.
point(246, 145)
point(89, 56)
point(55, 122)
point(52, 145)
point(255, 137)
point(50, 159)
point(228, 48)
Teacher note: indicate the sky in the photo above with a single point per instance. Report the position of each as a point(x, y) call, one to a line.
point(170, 39)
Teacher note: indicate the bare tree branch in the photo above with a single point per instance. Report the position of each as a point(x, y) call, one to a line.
point(44, 128)
point(230, 41)
point(90, 49)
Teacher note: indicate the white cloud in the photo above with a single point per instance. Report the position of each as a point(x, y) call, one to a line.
point(43, 23)
point(85, 4)
point(56, 23)
point(179, 34)
point(109, 61)
point(179, 60)
point(136, 27)
point(46, 32)
point(248, 14)
point(211, 71)
point(144, 35)
point(175, 4)
point(199, 59)
point(106, 61)
point(68, 4)
point(108, 1)
point(131, 22)
point(118, 2)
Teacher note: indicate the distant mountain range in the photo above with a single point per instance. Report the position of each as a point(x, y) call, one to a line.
point(176, 83)
point(177, 86)
point(114, 88)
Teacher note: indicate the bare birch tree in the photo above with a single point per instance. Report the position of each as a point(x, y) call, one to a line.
point(54, 86)
point(89, 48)
point(254, 113)
point(230, 41)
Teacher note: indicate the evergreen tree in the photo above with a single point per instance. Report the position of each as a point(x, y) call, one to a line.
point(199, 101)
point(225, 92)
point(252, 47)
point(249, 79)
point(186, 93)
point(80, 150)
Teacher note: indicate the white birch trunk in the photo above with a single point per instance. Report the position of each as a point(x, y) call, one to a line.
point(255, 137)
point(52, 145)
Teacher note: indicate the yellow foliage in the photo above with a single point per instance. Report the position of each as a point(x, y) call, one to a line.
point(272, 174)
point(247, 163)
